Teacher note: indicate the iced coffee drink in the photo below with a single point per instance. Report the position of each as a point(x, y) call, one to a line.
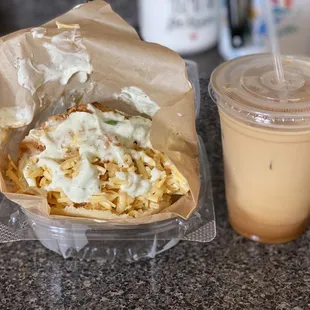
point(266, 146)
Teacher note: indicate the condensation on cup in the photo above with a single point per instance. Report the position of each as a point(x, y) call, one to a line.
point(266, 145)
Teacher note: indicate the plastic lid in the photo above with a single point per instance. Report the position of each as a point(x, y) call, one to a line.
point(246, 88)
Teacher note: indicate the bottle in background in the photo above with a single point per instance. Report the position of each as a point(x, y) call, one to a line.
point(291, 19)
point(186, 26)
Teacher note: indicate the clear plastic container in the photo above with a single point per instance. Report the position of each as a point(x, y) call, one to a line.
point(114, 241)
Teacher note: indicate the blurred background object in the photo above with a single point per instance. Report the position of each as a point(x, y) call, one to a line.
point(184, 26)
point(248, 18)
point(19, 14)
point(188, 26)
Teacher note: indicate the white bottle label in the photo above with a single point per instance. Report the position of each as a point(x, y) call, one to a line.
point(183, 25)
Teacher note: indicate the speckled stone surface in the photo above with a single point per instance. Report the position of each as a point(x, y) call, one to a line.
point(228, 273)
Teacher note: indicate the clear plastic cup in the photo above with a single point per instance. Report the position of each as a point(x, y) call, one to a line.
point(266, 145)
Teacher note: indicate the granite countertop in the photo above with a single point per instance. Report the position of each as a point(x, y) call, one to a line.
point(231, 272)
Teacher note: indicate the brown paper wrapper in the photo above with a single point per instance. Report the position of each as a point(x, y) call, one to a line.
point(119, 59)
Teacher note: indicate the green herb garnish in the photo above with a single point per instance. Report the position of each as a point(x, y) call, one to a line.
point(111, 122)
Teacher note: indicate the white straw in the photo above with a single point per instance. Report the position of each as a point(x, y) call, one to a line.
point(274, 42)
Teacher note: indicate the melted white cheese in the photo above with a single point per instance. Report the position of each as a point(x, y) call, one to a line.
point(66, 26)
point(38, 32)
point(85, 184)
point(67, 54)
point(156, 174)
point(78, 6)
point(104, 135)
point(15, 117)
point(135, 186)
point(144, 157)
point(138, 99)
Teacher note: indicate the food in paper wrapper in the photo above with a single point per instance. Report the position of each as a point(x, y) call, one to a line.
point(132, 157)
point(96, 162)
